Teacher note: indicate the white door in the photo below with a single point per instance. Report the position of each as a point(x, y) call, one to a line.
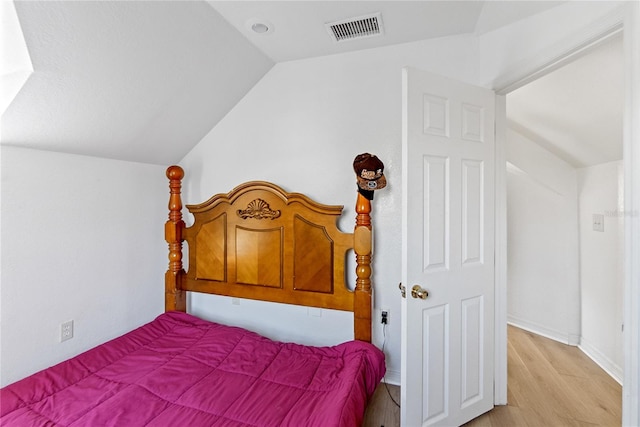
point(448, 250)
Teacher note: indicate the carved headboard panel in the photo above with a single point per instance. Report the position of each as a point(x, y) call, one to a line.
point(261, 242)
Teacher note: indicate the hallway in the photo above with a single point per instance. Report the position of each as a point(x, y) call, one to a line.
point(552, 384)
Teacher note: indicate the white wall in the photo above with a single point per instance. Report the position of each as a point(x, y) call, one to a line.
point(304, 122)
point(543, 253)
point(82, 239)
point(601, 266)
point(301, 128)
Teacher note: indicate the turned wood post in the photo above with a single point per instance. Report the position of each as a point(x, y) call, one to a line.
point(362, 248)
point(174, 296)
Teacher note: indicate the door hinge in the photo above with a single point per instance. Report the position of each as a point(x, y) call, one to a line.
point(403, 290)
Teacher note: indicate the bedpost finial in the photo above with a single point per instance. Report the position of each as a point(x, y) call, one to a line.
point(175, 172)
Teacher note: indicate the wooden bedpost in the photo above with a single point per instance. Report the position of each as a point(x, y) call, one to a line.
point(362, 248)
point(174, 296)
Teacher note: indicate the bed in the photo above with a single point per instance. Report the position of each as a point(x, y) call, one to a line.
point(259, 242)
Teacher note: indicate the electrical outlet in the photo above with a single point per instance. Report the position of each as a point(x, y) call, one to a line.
point(314, 312)
point(384, 316)
point(66, 330)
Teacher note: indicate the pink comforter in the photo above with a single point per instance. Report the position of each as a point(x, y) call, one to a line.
point(183, 371)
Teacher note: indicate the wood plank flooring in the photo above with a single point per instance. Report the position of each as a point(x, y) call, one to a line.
point(552, 384)
point(549, 385)
point(382, 412)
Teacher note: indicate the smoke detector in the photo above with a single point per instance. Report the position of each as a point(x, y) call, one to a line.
point(356, 28)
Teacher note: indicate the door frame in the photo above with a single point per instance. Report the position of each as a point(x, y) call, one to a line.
point(626, 21)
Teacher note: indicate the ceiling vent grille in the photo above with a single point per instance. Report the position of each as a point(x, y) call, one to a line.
point(356, 28)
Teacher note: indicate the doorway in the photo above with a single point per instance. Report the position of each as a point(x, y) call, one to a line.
point(627, 22)
point(564, 205)
point(565, 166)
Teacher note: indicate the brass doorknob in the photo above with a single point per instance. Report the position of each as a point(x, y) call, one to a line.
point(418, 292)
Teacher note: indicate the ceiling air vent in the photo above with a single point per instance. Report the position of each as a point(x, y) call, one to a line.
point(356, 28)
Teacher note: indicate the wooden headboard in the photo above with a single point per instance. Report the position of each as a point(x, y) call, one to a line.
point(261, 242)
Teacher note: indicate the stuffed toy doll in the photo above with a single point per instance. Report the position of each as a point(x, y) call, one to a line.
point(369, 171)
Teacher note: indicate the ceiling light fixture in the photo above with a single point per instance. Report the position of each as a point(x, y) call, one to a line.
point(259, 26)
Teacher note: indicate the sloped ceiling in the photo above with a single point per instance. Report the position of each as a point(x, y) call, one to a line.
point(145, 81)
point(576, 111)
point(139, 81)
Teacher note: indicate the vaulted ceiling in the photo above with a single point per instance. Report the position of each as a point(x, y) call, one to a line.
point(141, 81)
point(576, 111)
point(145, 81)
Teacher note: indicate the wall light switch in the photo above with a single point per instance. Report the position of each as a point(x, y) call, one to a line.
point(598, 222)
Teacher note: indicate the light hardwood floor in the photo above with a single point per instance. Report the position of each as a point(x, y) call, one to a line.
point(382, 412)
point(550, 385)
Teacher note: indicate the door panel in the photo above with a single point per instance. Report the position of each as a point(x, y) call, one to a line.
point(436, 381)
point(472, 351)
point(472, 211)
point(448, 223)
point(436, 206)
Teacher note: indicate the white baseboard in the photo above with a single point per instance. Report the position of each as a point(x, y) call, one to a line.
point(602, 360)
point(560, 336)
point(587, 348)
point(392, 377)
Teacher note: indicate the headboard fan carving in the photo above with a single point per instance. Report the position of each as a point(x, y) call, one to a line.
point(258, 209)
